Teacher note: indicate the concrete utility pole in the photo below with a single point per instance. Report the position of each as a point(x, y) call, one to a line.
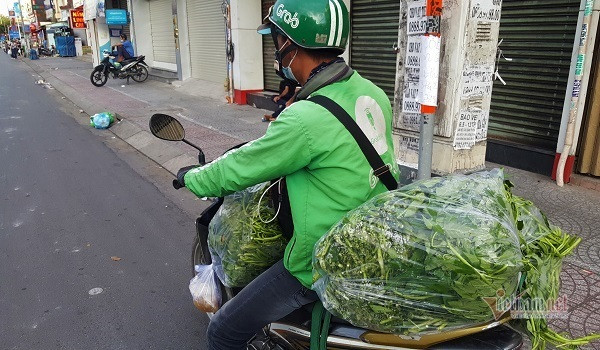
point(466, 70)
point(23, 25)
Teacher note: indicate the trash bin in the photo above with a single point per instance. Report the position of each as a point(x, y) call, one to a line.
point(65, 45)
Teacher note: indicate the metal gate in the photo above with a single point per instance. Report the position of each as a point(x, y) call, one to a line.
point(270, 77)
point(538, 35)
point(161, 27)
point(374, 31)
point(206, 27)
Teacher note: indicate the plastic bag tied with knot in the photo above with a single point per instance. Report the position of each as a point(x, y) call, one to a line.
point(421, 258)
point(102, 120)
point(205, 289)
point(245, 238)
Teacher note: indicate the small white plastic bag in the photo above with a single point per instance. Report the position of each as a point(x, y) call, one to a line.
point(205, 289)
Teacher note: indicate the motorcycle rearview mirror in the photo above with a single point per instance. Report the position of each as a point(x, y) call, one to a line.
point(168, 128)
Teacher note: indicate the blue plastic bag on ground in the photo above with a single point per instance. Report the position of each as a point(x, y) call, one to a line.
point(102, 120)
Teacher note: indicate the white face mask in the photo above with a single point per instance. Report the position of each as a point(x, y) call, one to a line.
point(287, 71)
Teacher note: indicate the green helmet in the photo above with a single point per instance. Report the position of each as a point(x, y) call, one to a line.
point(311, 24)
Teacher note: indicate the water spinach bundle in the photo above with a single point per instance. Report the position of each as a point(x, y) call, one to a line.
point(424, 257)
point(242, 241)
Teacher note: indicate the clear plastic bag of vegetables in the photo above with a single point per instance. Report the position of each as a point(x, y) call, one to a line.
point(245, 238)
point(421, 258)
point(205, 289)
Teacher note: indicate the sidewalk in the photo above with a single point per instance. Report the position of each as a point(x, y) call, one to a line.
point(210, 123)
point(215, 126)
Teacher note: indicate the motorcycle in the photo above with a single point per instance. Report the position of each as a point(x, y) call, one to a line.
point(134, 68)
point(47, 52)
point(293, 331)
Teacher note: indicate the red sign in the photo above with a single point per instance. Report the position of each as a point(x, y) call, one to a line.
point(77, 21)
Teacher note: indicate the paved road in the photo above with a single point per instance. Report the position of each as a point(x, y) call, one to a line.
point(68, 203)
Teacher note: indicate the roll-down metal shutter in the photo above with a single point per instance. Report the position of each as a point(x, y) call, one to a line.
point(161, 26)
point(206, 27)
point(374, 31)
point(538, 35)
point(270, 77)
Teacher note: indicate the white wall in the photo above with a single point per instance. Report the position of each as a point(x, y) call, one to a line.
point(184, 40)
point(92, 39)
point(248, 62)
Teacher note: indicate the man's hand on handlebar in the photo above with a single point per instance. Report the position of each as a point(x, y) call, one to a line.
point(181, 175)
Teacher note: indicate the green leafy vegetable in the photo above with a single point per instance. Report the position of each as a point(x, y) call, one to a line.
point(544, 247)
point(242, 241)
point(421, 258)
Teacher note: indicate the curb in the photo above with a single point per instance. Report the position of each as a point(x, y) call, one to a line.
point(169, 157)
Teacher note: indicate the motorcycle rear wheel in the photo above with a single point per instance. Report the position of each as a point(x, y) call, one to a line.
point(140, 73)
point(98, 78)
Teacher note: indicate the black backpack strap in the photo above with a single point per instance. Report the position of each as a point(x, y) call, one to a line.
point(381, 170)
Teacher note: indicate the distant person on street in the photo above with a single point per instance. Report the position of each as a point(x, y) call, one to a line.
point(13, 50)
point(124, 49)
point(287, 91)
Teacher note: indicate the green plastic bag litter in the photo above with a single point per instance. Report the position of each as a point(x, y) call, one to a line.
point(244, 237)
point(422, 258)
point(102, 120)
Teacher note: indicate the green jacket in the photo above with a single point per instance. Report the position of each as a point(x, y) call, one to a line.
point(327, 173)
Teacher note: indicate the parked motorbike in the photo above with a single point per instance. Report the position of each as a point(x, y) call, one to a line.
point(293, 331)
point(47, 52)
point(134, 68)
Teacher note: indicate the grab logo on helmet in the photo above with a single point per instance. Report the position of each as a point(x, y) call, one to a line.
point(287, 16)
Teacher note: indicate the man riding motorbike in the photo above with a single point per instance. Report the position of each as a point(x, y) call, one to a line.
point(326, 172)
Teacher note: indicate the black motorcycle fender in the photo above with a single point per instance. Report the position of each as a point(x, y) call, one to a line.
point(101, 67)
